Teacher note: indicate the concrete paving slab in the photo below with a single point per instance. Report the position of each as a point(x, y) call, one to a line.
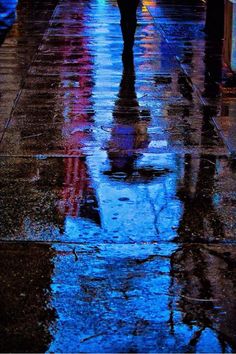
point(127, 297)
point(92, 198)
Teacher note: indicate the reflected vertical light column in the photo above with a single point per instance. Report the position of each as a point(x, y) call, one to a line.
point(230, 34)
point(78, 197)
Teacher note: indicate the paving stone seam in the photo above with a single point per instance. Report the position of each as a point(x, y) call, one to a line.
point(194, 87)
point(23, 81)
point(117, 244)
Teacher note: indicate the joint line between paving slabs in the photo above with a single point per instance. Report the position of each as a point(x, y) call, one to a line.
point(22, 84)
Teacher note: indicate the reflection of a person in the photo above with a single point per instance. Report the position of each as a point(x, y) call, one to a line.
point(129, 132)
point(199, 218)
point(214, 26)
point(128, 22)
point(206, 276)
point(203, 272)
point(213, 68)
point(199, 208)
point(7, 17)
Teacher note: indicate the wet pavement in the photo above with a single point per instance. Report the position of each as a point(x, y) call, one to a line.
point(118, 197)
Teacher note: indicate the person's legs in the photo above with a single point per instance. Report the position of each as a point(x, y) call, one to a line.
point(214, 26)
point(128, 21)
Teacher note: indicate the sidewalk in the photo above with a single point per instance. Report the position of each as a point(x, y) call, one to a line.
point(201, 61)
point(117, 191)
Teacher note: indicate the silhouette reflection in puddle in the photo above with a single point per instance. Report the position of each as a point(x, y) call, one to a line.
point(129, 136)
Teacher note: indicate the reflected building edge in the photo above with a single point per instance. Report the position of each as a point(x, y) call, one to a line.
point(78, 195)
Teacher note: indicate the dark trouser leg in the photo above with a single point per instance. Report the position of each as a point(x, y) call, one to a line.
point(128, 21)
point(215, 18)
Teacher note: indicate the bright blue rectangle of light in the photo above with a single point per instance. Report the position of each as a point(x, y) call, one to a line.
point(233, 53)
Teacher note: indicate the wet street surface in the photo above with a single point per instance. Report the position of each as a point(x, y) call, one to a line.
point(118, 188)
